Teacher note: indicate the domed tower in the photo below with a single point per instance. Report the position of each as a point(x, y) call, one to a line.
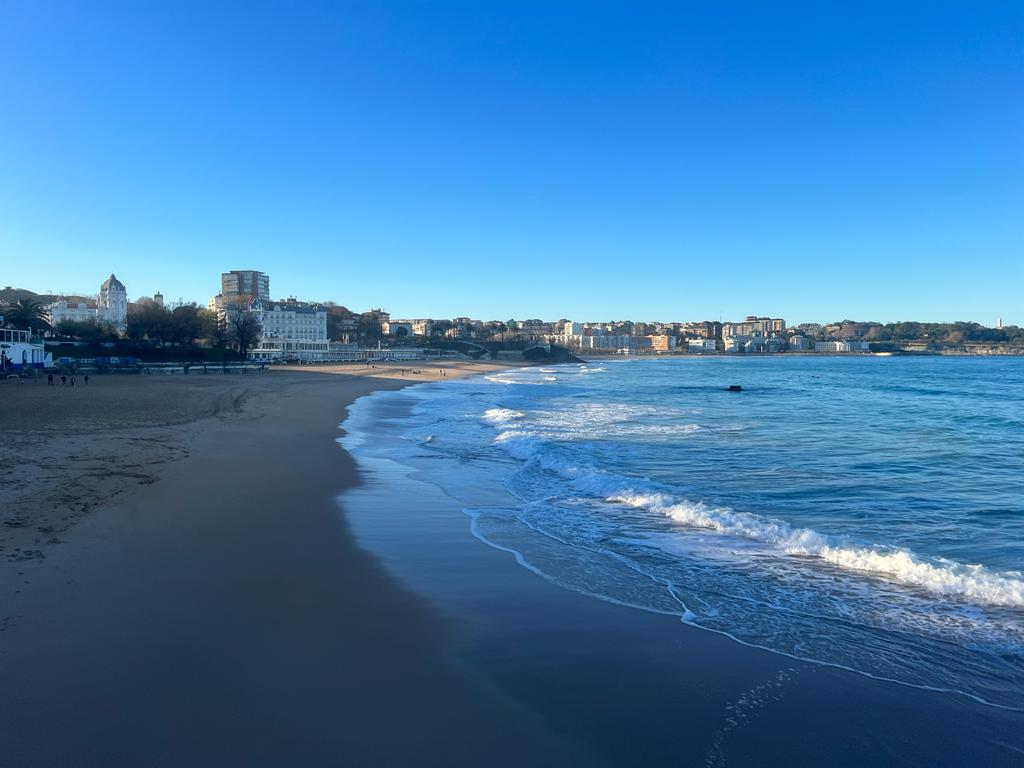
point(113, 304)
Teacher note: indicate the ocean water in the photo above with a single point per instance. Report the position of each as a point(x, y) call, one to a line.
point(861, 512)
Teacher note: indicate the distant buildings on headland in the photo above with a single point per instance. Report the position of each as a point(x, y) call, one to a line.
point(290, 329)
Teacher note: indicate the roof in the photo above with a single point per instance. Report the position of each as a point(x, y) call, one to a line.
point(113, 284)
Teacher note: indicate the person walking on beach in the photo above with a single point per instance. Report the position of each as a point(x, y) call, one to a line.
point(87, 379)
point(72, 381)
point(63, 379)
point(49, 379)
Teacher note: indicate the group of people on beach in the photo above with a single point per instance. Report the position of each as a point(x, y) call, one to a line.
point(417, 371)
point(64, 379)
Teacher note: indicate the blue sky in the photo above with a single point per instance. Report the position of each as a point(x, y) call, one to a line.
point(523, 159)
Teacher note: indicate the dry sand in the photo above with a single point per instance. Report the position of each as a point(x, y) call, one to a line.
point(177, 587)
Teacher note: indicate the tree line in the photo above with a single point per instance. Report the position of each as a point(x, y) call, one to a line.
point(148, 324)
point(946, 333)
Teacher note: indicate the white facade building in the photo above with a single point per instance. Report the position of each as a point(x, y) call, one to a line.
point(701, 345)
point(19, 353)
point(290, 331)
point(798, 343)
point(423, 327)
point(111, 307)
point(842, 346)
point(73, 311)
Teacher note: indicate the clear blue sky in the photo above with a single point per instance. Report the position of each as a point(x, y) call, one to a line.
point(526, 159)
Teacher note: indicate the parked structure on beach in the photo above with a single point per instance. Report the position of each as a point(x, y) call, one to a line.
point(18, 352)
point(110, 307)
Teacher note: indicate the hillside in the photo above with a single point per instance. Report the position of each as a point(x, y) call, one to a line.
point(9, 295)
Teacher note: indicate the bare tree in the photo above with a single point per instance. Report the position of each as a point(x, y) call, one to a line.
point(243, 331)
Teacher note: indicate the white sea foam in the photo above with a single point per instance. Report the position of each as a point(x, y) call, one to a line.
point(506, 379)
point(972, 582)
point(590, 421)
point(500, 416)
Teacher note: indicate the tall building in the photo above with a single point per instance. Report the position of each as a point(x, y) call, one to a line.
point(754, 325)
point(250, 283)
point(238, 289)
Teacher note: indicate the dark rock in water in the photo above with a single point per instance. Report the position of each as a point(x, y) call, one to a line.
point(735, 388)
point(555, 354)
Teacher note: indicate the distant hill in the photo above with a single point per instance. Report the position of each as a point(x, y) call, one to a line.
point(9, 295)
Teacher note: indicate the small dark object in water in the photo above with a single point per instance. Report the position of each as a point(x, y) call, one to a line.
point(735, 388)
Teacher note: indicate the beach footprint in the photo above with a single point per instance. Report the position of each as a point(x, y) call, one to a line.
point(746, 707)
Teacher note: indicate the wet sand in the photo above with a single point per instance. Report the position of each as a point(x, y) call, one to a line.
point(203, 602)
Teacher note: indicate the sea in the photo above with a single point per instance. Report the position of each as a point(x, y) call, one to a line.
point(859, 512)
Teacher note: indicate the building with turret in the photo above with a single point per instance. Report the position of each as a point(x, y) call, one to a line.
point(110, 307)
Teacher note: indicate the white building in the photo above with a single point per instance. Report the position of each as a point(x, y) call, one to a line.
point(111, 307)
point(423, 327)
point(71, 311)
point(290, 331)
point(842, 346)
point(19, 353)
point(701, 345)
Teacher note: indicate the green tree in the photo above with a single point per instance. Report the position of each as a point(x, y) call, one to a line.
point(441, 327)
point(90, 331)
point(150, 322)
point(368, 327)
point(26, 314)
point(185, 324)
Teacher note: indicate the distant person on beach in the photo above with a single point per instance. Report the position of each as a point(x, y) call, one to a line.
point(63, 380)
point(72, 381)
point(49, 379)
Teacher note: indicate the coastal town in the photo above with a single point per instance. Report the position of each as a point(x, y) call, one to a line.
point(242, 322)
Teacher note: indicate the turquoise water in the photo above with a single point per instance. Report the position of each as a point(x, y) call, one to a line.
point(861, 512)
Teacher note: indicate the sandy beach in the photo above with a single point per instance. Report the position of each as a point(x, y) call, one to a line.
point(179, 588)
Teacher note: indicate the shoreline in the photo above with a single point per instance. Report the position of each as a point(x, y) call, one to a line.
point(222, 613)
point(681, 694)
